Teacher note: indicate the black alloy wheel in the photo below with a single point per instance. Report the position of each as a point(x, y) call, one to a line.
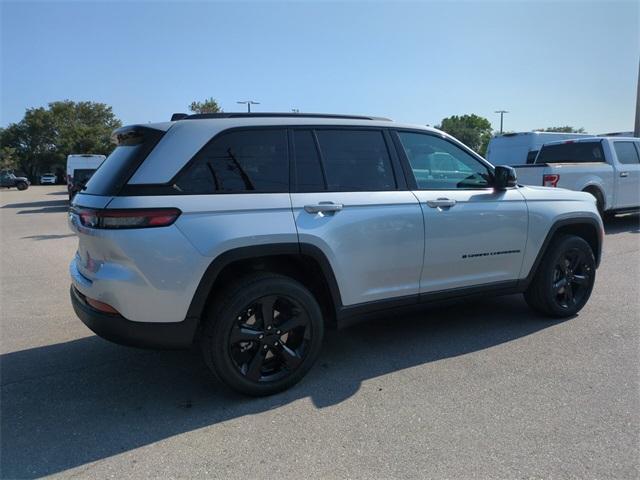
point(571, 278)
point(564, 279)
point(262, 333)
point(270, 338)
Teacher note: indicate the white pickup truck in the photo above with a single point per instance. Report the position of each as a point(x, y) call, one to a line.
point(606, 167)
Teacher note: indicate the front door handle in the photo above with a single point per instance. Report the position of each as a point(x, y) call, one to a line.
point(441, 203)
point(323, 207)
point(624, 174)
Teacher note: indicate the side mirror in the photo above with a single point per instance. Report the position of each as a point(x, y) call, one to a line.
point(504, 177)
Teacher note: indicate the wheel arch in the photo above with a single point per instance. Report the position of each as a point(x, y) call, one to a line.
point(596, 187)
point(587, 228)
point(304, 262)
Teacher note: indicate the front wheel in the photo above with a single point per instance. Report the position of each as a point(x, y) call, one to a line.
point(564, 280)
point(263, 334)
point(22, 186)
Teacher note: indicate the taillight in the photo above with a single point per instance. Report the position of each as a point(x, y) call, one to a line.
point(550, 180)
point(129, 218)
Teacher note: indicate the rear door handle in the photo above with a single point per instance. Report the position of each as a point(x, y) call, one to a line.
point(323, 207)
point(441, 203)
point(624, 174)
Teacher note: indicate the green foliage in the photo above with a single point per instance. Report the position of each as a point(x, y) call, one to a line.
point(45, 136)
point(565, 129)
point(8, 159)
point(472, 130)
point(210, 105)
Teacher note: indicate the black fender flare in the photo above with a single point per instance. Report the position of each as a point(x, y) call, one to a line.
point(590, 221)
point(201, 295)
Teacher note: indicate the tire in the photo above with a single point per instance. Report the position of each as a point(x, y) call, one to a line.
point(260, 359)
point(564, 280)
point(22, 186)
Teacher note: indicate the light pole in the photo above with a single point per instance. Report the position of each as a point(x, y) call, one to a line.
point(501, 112)
point(249, 103)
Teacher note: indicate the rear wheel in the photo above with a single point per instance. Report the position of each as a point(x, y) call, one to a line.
point(263, 333)
point(564, 280)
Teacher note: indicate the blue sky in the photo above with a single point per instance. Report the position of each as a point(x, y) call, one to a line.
point(548, 63)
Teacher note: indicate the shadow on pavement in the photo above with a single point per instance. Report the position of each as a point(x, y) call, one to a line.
point(622, 224)
point(48, 237)
point(72, 403)
point(45, 206)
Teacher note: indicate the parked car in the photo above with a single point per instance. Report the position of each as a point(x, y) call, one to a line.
point(606, 167)
point(251, 233)
point(520, 148)
point(48, 179)
point(8, 180)
point(79, 171)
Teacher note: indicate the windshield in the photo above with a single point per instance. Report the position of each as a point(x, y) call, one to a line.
point(573, 152)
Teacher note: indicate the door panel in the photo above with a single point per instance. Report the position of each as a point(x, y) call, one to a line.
point(628, 174)
point(374, 241)
point(478, 240)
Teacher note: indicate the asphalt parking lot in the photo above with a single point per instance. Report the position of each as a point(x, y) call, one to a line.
point(479, 390)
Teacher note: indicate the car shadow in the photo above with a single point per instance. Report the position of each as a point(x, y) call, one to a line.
point(72, 403)
point(622, 224)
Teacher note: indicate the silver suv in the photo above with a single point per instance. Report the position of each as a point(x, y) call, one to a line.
point(250, 233)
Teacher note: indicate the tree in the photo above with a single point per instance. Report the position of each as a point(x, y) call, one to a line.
point(472, 130)
point(8, 160)
point(210, 105)
point(566, 129)
point(45, 136)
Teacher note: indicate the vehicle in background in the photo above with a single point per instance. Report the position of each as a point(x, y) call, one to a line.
point(8, 180)
point(606, 167)
point(80, 168)
point(522, 147)
point(48, 179)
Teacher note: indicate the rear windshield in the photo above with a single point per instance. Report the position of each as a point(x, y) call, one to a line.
point(102, 182)
point(577, 152)
point(116, 170)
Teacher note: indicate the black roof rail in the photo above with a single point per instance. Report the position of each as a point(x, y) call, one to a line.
point(196, 116)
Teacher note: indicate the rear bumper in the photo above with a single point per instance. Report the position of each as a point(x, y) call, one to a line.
point(117, 329)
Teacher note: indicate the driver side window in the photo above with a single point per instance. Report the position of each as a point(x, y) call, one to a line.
point(440, 165)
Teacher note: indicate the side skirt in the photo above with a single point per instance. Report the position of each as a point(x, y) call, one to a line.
point(352, 314)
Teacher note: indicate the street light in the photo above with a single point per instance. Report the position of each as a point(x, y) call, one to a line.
point(249, 103)
point(501, 112)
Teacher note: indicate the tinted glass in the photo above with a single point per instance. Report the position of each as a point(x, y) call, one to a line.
point(120, 160)
point(626, 152)
point(356, 160)
point(239, 161)
point(438, 164)
point(576, 152)
point(309, 176)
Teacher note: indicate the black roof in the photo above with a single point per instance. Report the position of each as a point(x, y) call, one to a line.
point(196, 116)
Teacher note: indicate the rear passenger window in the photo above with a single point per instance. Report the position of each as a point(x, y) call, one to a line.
point(626, 152)
point(309, 175)
point(239, 161)
point(356, 160)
